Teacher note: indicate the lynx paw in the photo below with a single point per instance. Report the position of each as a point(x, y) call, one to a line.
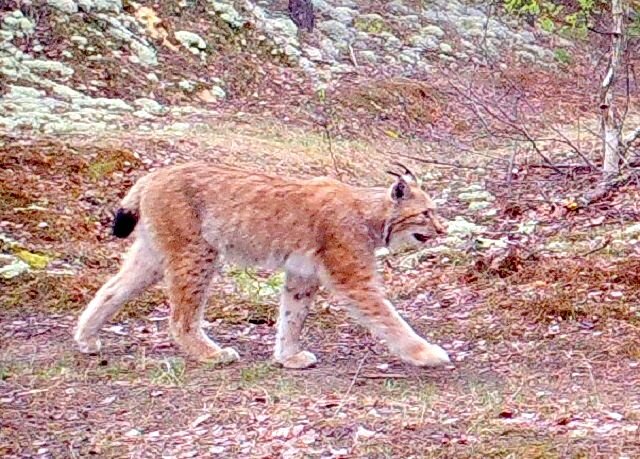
point(88, 345)
point(223, 356)
point(427, 355)
point(303, 359)
point(228, 355)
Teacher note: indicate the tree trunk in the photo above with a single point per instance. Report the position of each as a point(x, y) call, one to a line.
point(302, 14)
point(611, 126)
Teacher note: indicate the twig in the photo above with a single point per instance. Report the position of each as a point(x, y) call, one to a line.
point(475, 104)
point(571, 145)
point(485, 30)
point(512, 160)
point(604, 245)
point(331, 153)
point(352, 56)
point(631, 137)
point(437, 162)
point(383, 376)
point(353, 381)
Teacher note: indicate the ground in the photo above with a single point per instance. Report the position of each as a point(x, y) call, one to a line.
point(543, 334)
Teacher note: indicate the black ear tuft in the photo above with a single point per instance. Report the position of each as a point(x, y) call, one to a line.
point(400, 190)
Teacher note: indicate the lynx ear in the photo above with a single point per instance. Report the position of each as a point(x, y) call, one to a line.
point(400, 190)
point(407, 173)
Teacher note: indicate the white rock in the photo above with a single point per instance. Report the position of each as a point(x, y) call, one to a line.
point(193, 42)
point(66, 6)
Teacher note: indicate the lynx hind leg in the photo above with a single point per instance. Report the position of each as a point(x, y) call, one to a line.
point(188, 274)
point(296, 299)
point(140, 270)
point(356, 283)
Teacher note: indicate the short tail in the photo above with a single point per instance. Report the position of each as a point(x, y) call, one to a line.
point(128, 214)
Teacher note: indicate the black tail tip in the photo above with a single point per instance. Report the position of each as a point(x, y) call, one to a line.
point(124, 223)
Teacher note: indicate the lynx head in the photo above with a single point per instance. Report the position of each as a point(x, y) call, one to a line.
point(413, 220)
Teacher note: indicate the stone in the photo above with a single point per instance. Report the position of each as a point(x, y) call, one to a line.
point(526, 37)
point(291, 51)
point(321, 6)
point(334, 29)
point(461, 227)
point(187, 85)
point(79, 40)
point(193, 42)
point(66, 6)
point(11, 266)
point(146, 54)
point(329, 49)
point(114, 6)
point(409, 56)
point(281, 26)
point(368, 56)
point(411, 22)
point(313, 53)
point(486, 243)
point(23, 92)
point(423, 42)
point(525, 57)
point(228, 13)
point(432, 30)
point(46, 66)
point(479, 205)
point(397, 7)
point(213, 94)
point(446, 48)
point(150, 106)
point(342, 14)
point(391, 42)
point(15, 24)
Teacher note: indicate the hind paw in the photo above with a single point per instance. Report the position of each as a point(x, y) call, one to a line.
point(303, 359)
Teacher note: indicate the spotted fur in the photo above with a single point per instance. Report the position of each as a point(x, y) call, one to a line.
point(189, 218)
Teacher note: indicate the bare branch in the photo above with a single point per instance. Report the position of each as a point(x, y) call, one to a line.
point(564, 139)
point(499, 115)
point(438, 163)
point(631, 137)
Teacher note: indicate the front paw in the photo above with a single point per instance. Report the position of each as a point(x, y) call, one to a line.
point(303, 359)
point(90, 345)
point(426, 355)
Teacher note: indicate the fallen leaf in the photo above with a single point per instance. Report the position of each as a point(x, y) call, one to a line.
point(199, 420)
point(109, 400)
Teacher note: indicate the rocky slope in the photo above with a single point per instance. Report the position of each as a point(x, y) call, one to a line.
point(81, 65)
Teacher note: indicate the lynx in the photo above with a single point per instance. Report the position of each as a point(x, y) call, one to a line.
point(188, 218)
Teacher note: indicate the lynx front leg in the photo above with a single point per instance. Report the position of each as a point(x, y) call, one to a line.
point(383, 320)
point(355, 280)
point(296, 299)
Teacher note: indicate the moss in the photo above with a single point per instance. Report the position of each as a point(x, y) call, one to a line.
point(12, 198)
point(109, 161)
point(257, 373)
point(370, 24)
point(34, 260)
